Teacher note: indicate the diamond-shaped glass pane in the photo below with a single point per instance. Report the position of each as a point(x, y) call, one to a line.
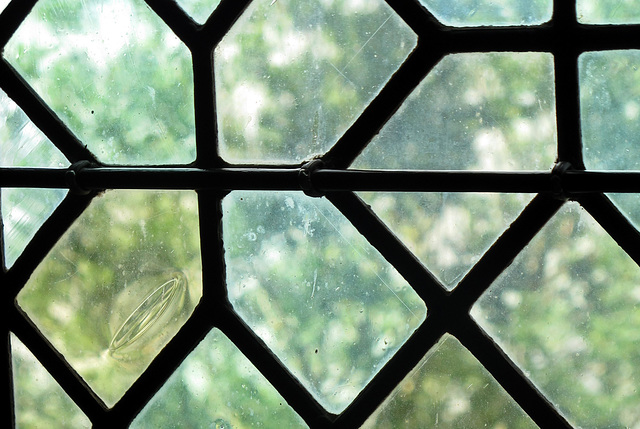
point(568, 312)
point(472, 13)
point(292, 76)
point(39, 401)
point(326, 302)
point(118, 285)
point(217, 387)
point(91, 61)
point(450, 389)
point(199, 9)
point(448, 232)
point(608, 11)
point(473, 111)
point(610, 109)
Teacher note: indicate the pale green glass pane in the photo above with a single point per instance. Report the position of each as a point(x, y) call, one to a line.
point(292, 76)
point(567, 311)
point(482, 111)
point(448, 232)
point(199, 9)
point(91, 61)
point(326, 302)
point(3, 4)
point(629, 205)
point(449, 389)
point(24, 210)
point(118, 285)
point(38, 400)
point(610, 109)
point(608, 11)
point(217, 387)
point(473, 13)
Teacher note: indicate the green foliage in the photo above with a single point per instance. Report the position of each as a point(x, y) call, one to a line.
point(327, 305)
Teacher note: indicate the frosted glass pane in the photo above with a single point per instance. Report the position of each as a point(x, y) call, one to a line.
point(449, 388)
point(610, 109)
point(292, 76)
point(39, 401)
point(217, 387)
point(326, 302)
point(472, 13)
point(608, 11)
point(568, 312)
point(24, 210)
point(90, 61)
point(199, 9)
point(448, 232)
point(118, 285)
point(475, 111)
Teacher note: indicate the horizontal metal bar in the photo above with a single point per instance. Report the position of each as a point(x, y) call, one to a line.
point(323, 180)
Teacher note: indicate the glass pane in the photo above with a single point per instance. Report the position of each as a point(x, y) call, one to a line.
point(472, 13)
point(568, 312)
point(610, 109)
point(199, 9)
point(39, 401)
point(629, 205)
point(118, 285)
point(475, 111)
point(90, 61)
point(608, 11)
point(217, 387)
point(3, 4)
point(449, 389)
point(292, 76)
point(448, 232)
point(24, 210)
point(326, 302)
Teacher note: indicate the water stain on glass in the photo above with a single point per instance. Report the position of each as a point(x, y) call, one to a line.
point(142, 327)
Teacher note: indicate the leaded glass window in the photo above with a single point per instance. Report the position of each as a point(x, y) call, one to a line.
point(325, 213)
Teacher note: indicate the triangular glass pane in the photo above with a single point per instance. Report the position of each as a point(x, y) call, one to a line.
point(292, 76)
point(3, 4)
point(118, 285)
point(473, 111)
point(449, 388)
point(319, 295)
point(567, 311)
point(629, 205)
point(39, 401)
point(448, 232)
point(91, 61)
point(608, 11)
point(217, 387)
point(200, 10)
point(472, 13)
point(24, 210)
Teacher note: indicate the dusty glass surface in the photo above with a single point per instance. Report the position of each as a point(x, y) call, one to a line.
point(473, 13)
point(39, 401)
point(473, 111)
point(567, 311)
point(24, 210)
point(326, 302)
point(448, 232)
point(610, 109)
point(629, 205)
point(118, 285)
point(217, 387)
point(608, 11)
point(199, 9)
point(449, 389)
point(90, 61)
point(292, 76)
